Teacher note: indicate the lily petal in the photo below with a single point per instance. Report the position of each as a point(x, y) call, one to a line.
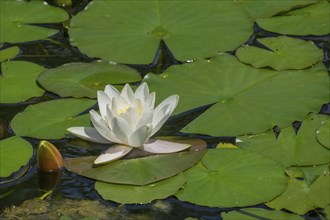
point(111, 91)
point(159, 119)
point(128, 94)
point(142, 92)
point(161, 146)
point(89, 134)
point(121, 128)
point(102, 128)
point(140, 136)
point(113, 153)
point(171, 100)
point(103, 100)
point(150, 102)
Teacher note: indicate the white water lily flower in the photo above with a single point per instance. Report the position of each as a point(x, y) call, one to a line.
point(129, 119)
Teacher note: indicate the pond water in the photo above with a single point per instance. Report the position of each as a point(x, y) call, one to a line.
point(74, 196)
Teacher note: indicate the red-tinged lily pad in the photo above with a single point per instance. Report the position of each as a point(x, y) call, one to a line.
point(140, 171)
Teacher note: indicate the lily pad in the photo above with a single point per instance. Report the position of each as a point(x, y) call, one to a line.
point(300, 197)
point(130, 31)
point(16, 17)
point(256, 214)
point(286, 53)
point(289, 148)
point(127, 194)
point(139, 171)
point(15, 152)
point(247, 100)
point(310, 20)
point(18, 81)
point(50, 119)
point(264, 9)
point(323, 133)
point(85, 79)
point(233, 177)
point(8, 53)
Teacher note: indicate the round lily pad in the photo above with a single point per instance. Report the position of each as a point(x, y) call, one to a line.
point(8, 53)
point(306, 196)
point(289, 148)
point(139, 171)
point(18, 81)
point(246, 100)
point(50, 119)
point(130, 31)
point(15, 152)
point(16, 17)
point(323, 133)
point(233, 177)
point(255, 213)
point(265, 9)
point(85, 79)
point(127, 194)
point(285, 53)
point(310, 20)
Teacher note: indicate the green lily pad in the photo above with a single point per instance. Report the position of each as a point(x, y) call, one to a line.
point(300, 197)
point(8, 53)
point(127, 194)
point(289, 148)
point(16, 16)
point(50, 119)
point(323, 133)
point(287, 53)
point(233, 177)
point(85, 79)
point(18, 81)
point(264, 9)
point(310, 20)
point(15, 152)
point(139, 171)
point(130, 31)
point(247, 100)
point(256, 214)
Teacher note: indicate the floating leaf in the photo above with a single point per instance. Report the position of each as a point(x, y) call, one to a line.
point(16, 16)
point(15, 152)
point(247, 100)
point(289, 148)
point(139, 171)
point(323, 133)
point(18, 81)
point(140, 194)
point(256, 214)
point(8, 53)
point(233, 177)
point(85, 79)
point(264, 9)
point(310, 20)
point(130, 31)
point(287, 53)
point(301, 197)
point(50, 119)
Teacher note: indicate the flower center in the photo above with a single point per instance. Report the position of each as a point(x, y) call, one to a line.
point(123, 110)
